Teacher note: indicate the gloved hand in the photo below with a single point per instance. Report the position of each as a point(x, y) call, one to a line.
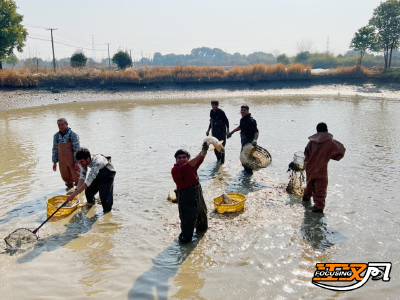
point(254, 142)
point(204, 149)
point(230, 134)
point(208, 132)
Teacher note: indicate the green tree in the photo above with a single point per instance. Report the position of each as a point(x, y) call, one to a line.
point(386, 21)
point(12, 33)
point(78, 59)
point(324, 60)
point(122, 59)
point(12, 60)
point(283, 58)
point(302, 57)
point(364, 39)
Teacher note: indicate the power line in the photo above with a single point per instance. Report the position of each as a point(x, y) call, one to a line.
point(67, 35)
point(56, 42)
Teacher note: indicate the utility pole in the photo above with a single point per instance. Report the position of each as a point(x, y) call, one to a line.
point(109, 60)
point(52, 45)
point(93, 53)
point(327, 45)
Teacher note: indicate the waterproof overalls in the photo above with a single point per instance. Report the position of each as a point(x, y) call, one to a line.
point(248, 128)
point(104, 185)
point(319, 151)
point(191, 204)
point(192, 211)
point(219, 123)
point(66, 162)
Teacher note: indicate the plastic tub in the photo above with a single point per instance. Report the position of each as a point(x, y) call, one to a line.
point(220, 207)
point(55, 202)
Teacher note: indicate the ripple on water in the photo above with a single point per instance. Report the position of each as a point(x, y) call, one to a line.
point(268, 250)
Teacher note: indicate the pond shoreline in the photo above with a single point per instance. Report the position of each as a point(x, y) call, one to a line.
point(14, 98)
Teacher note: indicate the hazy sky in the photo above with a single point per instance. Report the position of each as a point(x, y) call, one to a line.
point(177, 26)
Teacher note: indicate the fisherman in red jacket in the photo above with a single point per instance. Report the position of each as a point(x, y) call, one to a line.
point(192, 208)
point(319, 151)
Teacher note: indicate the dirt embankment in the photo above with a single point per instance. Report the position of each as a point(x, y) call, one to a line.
point(12, 98)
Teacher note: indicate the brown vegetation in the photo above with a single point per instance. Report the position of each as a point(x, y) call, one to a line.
point(356, 71)
point(90, 77)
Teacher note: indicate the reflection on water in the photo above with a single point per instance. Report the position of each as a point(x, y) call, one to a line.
point(268, 250)
point(165, 267)
point(80, 223)
point(315, 231)
point(31, 207)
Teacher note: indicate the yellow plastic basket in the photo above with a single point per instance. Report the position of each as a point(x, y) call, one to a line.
point(220, 207)
point(55, 202)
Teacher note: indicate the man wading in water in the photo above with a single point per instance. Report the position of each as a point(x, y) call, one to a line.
point(100, 178)
point(248, 131)
point(219, 126)
point(65, 146)
point(192, 208)
point(320, 150)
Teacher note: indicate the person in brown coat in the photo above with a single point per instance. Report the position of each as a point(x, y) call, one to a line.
point(319, 151)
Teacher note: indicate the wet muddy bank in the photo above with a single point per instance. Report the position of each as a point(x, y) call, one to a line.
point(13, 98)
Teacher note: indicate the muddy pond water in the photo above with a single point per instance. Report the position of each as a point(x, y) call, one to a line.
point(267, 251)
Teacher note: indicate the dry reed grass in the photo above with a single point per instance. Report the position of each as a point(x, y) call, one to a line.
point(349, 72)
point(261, 72)
point(70, 77)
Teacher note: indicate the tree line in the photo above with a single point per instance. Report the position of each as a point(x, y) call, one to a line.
point(375, 44)
point(122, 60)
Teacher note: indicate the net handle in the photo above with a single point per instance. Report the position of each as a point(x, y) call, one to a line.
point(62, 205)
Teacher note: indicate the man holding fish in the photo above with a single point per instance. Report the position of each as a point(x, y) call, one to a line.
point(248, 131)
point(192, 208)
point(219, 125)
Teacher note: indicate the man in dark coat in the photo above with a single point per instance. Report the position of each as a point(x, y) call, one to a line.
point(248, 131)
point(319, 151)
point(219, 125)
point(192, 208)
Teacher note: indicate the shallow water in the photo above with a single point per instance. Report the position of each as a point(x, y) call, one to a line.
point(267, 251)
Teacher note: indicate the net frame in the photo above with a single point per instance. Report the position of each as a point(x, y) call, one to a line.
point(296, 183)
point(14, 241)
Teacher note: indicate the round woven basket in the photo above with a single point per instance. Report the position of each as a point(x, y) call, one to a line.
point(255, 157)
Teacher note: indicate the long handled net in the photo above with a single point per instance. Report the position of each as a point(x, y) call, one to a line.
point(21, 238)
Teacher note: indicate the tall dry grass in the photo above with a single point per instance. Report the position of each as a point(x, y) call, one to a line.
point(87, 77)
point(348, 72)
point(261, 72)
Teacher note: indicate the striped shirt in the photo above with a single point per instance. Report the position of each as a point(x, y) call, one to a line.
point(97, 162)
point(59, 138)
